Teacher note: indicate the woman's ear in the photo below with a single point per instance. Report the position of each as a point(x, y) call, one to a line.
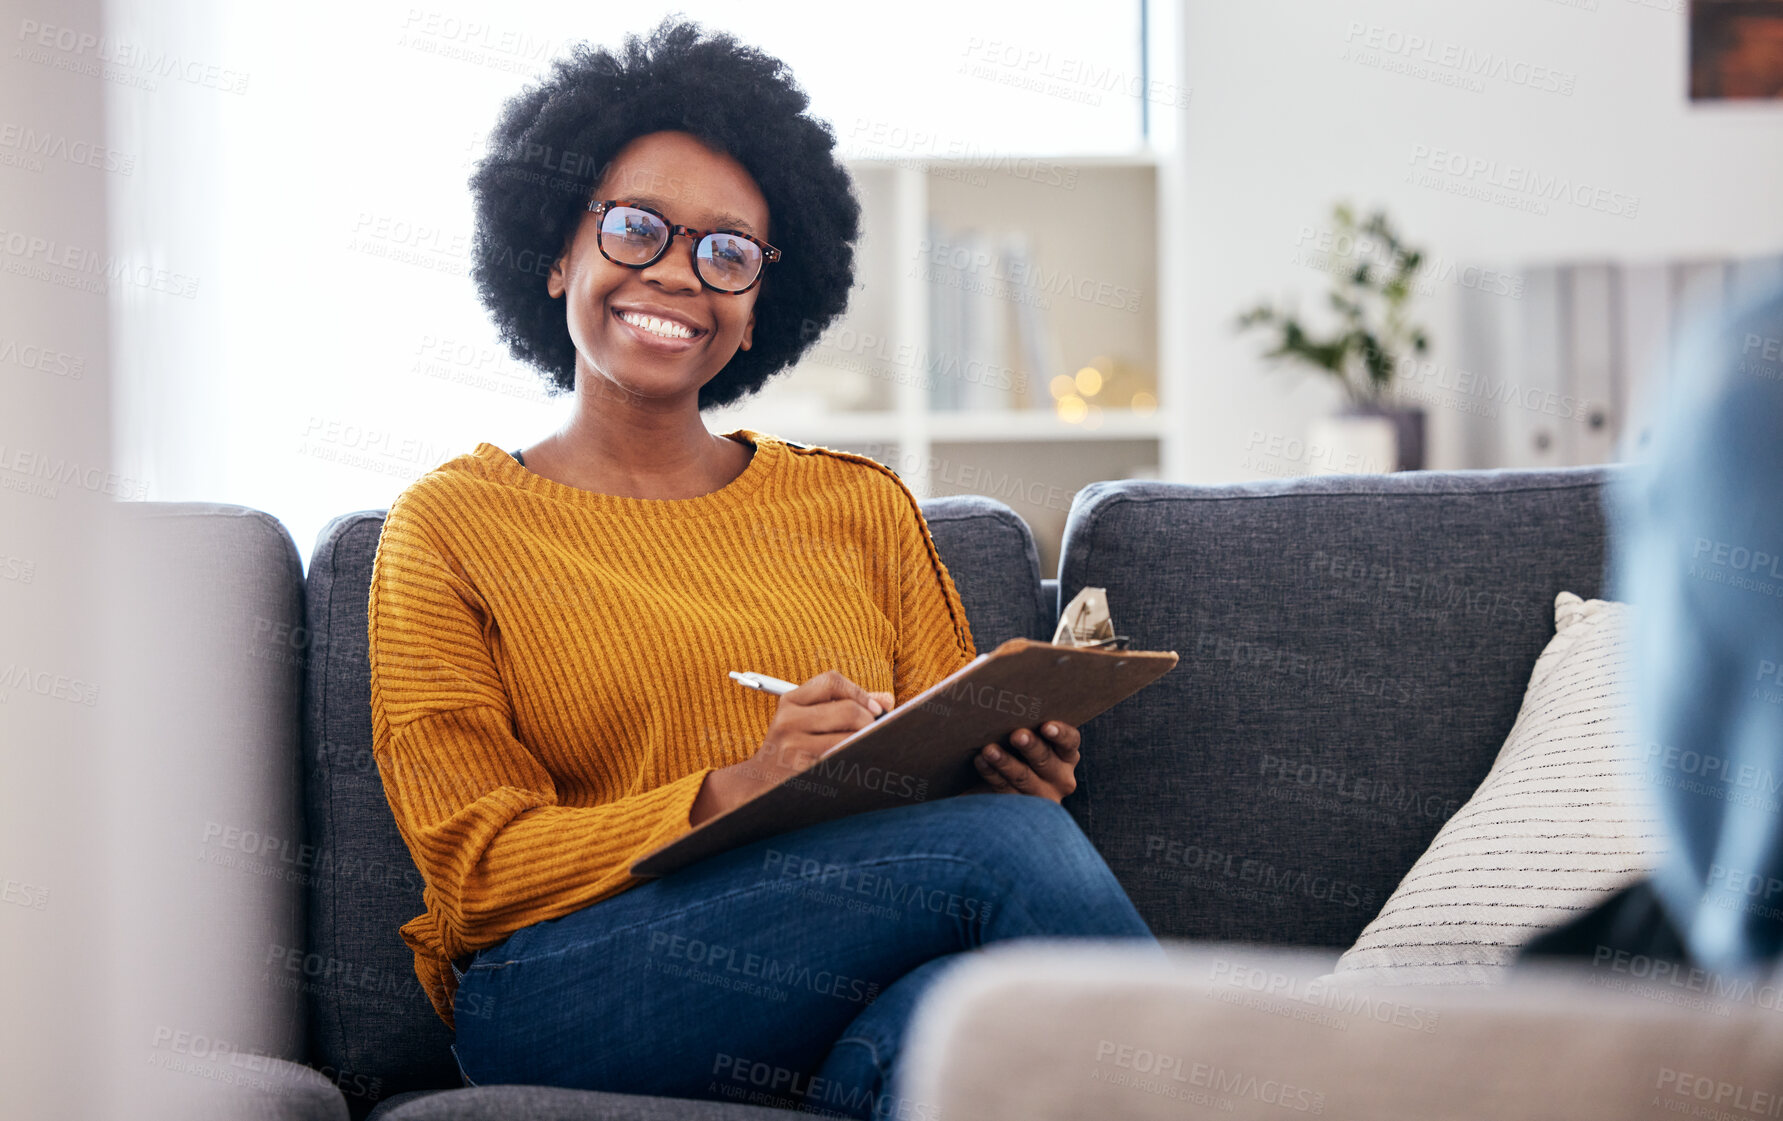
point(554, 283)
point(748, 332)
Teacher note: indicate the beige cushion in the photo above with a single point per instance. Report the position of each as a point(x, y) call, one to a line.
point(1042, 1033)
point(1561, 821)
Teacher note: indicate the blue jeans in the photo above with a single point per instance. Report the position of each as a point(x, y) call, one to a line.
point(784, 972)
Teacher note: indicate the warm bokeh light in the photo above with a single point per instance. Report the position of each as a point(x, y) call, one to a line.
point(1144, 403)
point(1071, 408)
point(1062, 387)
point(1089, 381)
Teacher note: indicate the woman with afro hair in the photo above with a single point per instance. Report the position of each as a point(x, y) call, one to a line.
point(659, 230)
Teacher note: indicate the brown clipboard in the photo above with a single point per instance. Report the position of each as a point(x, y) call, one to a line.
point(922, 749)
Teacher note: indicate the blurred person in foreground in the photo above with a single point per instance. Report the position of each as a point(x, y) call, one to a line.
point(1697, 547)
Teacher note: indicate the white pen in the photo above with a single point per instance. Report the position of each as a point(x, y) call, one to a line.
point(771, 685)
point(763, 682)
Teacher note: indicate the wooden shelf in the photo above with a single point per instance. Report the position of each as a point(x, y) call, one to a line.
point(829, 429)
point(994, 426)
point(865, 386)
point(975, 426)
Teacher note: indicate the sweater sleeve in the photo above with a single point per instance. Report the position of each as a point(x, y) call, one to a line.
point(934, 638)
point(477, 810)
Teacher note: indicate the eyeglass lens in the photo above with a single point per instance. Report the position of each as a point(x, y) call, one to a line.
point(636, 237)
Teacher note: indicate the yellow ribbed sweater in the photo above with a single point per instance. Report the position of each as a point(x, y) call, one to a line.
point(549, 664)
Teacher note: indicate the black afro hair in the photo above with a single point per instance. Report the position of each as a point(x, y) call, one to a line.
point(556, 138)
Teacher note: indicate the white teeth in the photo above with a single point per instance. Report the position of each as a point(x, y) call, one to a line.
point(655, 326)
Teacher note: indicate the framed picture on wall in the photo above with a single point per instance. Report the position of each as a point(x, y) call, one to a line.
point(1736, 50)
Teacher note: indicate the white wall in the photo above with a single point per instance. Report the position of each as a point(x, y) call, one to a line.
point(328, 348)
point(1283, 119)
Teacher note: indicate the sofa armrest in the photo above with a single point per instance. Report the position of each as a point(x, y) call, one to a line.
point(298, 1093)
point(211, 856)
point(195, 1082)
point(1218, 1031)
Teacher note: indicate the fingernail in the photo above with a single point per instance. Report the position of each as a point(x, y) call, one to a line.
point(1020, 737)
point(1052, 729)
point(992, 753)
point(875, 706)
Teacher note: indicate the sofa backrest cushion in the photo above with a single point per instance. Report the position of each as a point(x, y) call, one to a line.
point(990, 553)
point(368, 1013)
point(1353, 653)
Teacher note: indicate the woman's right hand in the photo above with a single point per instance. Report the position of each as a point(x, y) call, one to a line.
point(809, 721)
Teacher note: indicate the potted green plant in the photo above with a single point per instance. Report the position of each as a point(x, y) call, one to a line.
point(1372, 276)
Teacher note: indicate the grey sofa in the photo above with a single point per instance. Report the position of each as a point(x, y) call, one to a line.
point(1353, 652)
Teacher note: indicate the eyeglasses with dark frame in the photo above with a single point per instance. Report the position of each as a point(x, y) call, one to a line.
point(640, 243)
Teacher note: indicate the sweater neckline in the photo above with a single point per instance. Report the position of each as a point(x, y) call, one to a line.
point(729, 497)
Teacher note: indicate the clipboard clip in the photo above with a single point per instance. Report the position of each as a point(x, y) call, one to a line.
point(1113, 642)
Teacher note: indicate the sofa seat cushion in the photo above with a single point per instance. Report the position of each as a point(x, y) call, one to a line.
point(551, 1103)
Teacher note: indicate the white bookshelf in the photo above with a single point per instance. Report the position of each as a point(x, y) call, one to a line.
point(1093, 225)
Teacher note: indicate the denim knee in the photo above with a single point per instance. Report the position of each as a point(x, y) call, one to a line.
point(1044, 869)
point(1021, 834)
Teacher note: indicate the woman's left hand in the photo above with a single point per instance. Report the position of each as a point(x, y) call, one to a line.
point(1042, 764)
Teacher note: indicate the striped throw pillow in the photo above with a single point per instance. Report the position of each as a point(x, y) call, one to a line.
point(1561, 821)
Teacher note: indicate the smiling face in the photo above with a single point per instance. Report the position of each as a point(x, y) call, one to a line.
point(610, 308)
